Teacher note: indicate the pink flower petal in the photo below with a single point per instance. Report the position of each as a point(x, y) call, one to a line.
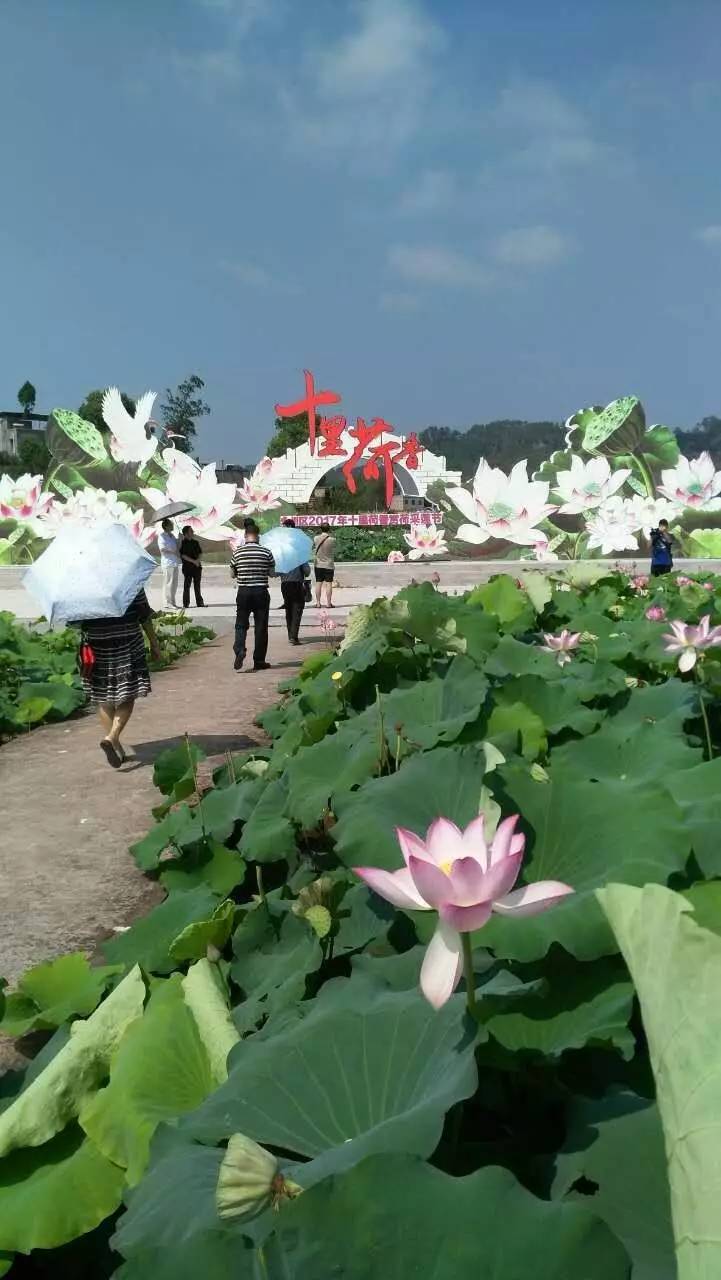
point(500, 877)
point(474, 841)
point(411, 845)
point(395, 886)
point(433, 886)
point(465, 919)
point(444, 841)
point(467, 878)
point(687, 660)
point(442, 965)
point(503, 839)
point(532, 898)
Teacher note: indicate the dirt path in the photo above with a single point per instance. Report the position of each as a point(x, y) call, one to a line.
point(66, 877)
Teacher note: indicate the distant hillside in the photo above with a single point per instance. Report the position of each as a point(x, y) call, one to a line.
point(501, 443)
point(504, 442)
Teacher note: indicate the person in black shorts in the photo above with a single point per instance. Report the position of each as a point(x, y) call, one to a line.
point(324, 563)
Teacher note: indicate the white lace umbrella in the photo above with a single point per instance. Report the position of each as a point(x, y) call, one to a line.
point(89, 572)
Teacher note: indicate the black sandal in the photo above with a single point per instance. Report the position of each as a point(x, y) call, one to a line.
point(111, 755)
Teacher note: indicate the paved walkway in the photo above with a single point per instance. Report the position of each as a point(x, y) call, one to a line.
point(66, 877)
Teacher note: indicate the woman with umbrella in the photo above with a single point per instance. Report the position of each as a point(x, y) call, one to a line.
point(295, 592)
point(114, 670)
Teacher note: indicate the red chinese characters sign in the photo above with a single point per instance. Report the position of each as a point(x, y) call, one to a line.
point(378, 456)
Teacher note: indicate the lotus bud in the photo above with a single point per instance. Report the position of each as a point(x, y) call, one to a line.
point(249, 1180)
point(631, 682)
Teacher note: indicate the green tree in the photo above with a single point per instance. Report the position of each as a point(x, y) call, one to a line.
point(182, 407)
point(27, 395)
point(34, 454)
point(92, 407)
point(289, 433)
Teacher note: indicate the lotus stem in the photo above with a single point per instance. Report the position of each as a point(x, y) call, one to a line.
point(645, 475)
point(259, 881)
point(469, 975)
point(706, 726)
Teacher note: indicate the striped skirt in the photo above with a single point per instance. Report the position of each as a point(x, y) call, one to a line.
point(120, 672)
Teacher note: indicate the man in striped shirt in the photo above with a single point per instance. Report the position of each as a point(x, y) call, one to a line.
point(251, 566)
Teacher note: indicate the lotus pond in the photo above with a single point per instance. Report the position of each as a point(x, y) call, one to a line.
point(253, 1083)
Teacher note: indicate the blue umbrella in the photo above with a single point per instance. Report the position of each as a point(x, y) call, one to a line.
point(89, 571)
point(290, 547)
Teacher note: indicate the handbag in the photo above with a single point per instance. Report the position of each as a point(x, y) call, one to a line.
point(86, 659)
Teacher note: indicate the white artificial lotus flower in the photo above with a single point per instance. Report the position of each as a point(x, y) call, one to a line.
point(23, 500)
point(214, 503)
point(613, 528)
point(425, 540)
point(92, 507)
point(693, 483)
point(129, 440)
point(647, 512)
point(501, 506)
point(588, 484)
point(544, 552)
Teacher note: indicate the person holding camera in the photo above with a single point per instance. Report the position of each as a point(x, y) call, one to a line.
point(661, 543)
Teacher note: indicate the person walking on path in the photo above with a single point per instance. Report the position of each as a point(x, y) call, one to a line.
point(324, 562)
point(251, 566)
point(661, 543)
point(114, 669)
point(295, 593)
point(190, 553)
point(170, 564)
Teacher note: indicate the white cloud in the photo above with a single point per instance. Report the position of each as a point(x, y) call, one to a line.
point(389, 44)
point(401, 302)
point(710, 235)
point(547, 132)
point(247, 273)
point(364, 93)
point(242, 15)
point(433, 192)
point(530, 247)
point(436, 265)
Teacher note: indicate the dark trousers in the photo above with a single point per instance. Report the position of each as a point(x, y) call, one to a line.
point(658, 569)
point(252, 602)
point(192, 573)
point(294, 600)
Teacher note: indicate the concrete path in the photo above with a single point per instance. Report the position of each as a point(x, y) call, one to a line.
point(356, 583)
point(66, 877)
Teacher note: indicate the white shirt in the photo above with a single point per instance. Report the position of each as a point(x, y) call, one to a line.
point(168, 546)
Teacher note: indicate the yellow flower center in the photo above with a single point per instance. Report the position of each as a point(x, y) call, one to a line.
point(446, 866)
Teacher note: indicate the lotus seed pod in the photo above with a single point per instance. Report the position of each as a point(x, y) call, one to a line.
point(83, 435)
point(313, 895)
point(246, 1179)
point(320, 920)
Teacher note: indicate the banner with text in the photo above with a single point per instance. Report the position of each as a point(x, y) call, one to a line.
point(371, 519)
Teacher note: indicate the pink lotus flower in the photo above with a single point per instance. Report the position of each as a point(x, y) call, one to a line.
point(683, 581)
point(23, 500)
point(425, 540)
point(707, 586)
point(396, 557)
point(327, 624)
point(458, 875)
point(693, 483)
point(562, 645)
point(639, 582)
point(656, 613)
point(688, 641)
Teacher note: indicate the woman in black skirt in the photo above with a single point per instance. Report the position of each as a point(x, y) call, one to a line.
point(115, 669)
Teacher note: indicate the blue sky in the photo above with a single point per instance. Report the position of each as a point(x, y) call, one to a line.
point(449, 210)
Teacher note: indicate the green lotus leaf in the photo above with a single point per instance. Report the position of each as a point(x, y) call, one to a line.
point(149, 940)
point(51, 993)
point(57, 1094)
point(53, 1193)
point(394, 1216)
point(705, 543)
point(193, 941)
point(274, 954)
point(676, 967)
point(363, 1072)
point(616, 1143)
point(161, 1070)
point(72, 440)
